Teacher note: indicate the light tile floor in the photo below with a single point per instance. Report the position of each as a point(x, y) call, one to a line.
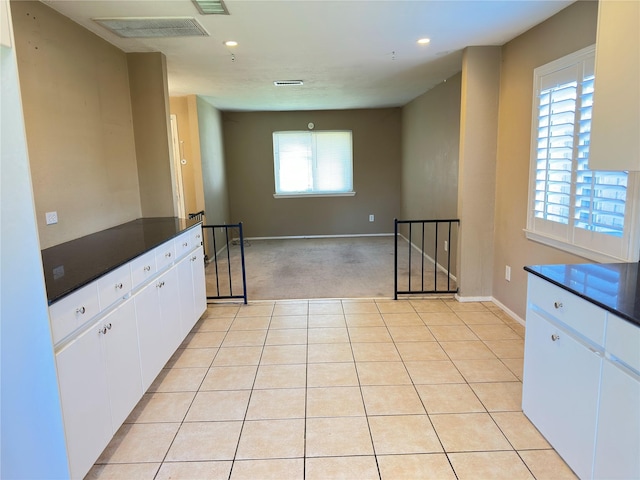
point(352, 389)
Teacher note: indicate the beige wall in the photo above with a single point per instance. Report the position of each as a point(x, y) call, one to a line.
point(430, 143)
point(477, 169)
point(77, 109)
point(570, 30)
point(185, 110)
point(214, 175)
point(376, 174)
point(150, 107)
point(430, 146)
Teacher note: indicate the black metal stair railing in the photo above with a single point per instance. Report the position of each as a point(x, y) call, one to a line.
point(226, 264)
point(430, 267)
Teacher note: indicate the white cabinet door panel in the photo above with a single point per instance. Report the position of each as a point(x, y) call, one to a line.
point(199, 283)
point(150, 335)
point(170, 308)
point(560, 391)
point(85, 400)
point(123, 362)
point(618, 439)
point(187, 305)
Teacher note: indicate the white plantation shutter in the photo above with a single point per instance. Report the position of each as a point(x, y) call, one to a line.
point(570, 204)
point(313, 162)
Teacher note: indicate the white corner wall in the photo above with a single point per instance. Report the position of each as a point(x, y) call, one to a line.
point(31, 433)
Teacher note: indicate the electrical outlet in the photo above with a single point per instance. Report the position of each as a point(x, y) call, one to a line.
point(507, 273)
point(446, 246)
point(51, 217)
point(371, 218)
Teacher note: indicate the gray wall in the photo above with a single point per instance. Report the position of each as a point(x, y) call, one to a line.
point(376, 174)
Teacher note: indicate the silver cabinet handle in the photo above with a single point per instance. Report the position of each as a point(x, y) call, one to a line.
point(194, 258)
point(555, 337)
point(108, 326)
point(102, 330)
point(185, 244)
point(147, 268)
point(198, 236)
point(160, 284)
point(557, 305)
point(119, 286)
point(168, 254)
point(81, 310)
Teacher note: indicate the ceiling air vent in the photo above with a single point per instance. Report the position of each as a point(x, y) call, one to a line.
point(287, 83)
point(211, 7)
point(153, 27)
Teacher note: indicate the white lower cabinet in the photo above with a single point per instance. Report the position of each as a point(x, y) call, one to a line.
point(618, 440)
point(99, 379)
point(159, 324)
point(560, 391)
point(108, 354)
point(581, 384)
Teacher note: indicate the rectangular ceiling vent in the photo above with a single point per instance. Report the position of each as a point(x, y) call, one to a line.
point(287, 83)
point(153, 27)
point(211, 7)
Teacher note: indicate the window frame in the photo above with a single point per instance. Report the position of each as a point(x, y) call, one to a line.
point(311, 193)
point(596, 246)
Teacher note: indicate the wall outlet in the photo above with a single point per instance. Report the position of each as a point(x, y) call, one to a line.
point(446, 246)
point(51, 217)
point(507, 273)
point(371, 218)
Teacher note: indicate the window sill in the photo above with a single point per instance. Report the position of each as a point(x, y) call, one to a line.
point(573, 249)
point(309, 195)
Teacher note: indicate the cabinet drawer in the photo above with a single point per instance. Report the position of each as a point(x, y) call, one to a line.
point(183, 244)
point(142, 268)
point(114, 286)
point(582, 316)
point(73, 311)
point(623, 341)
point(165, 255)
point(196, 236)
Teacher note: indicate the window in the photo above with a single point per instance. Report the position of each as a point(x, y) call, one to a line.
point(582, 211)
point(313, 163)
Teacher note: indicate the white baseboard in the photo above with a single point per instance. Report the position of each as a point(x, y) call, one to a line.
point(473, 299)
point(510, 312)
point(298, 237)
point(429, 259)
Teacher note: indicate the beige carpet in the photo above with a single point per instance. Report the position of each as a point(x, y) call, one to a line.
point(353, 267)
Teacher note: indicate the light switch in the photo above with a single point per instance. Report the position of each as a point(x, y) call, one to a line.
point(52, 217)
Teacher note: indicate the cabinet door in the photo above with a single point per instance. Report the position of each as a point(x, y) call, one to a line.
point(170, 308)
point(122, 362)
point(618, 440)
point(150, 333)
point(187, 305)
point(199, 283)
point(85, 400)
point(560, 391)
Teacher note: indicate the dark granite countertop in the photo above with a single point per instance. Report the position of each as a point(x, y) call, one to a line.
point(612, 286)
point(73, 264)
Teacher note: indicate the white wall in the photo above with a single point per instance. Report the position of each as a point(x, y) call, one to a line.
point(31, 434)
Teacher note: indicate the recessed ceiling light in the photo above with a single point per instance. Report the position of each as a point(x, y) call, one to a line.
point(424, 41)
point(231, 43)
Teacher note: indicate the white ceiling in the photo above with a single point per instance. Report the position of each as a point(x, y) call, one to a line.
point(349, 53)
